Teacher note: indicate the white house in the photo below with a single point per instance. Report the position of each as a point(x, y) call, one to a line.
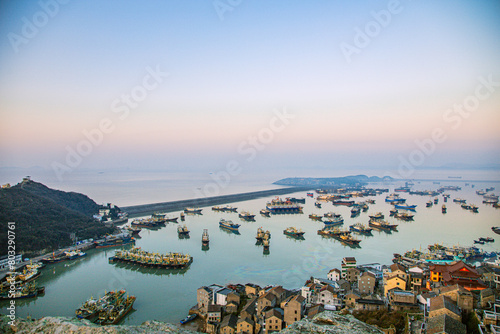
point(333, 275)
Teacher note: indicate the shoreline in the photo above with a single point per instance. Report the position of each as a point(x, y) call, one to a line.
point(147, 209)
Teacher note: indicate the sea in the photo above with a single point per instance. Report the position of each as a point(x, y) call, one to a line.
point(167, 295)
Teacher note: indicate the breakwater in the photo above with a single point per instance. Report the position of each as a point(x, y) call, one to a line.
point(147, 209)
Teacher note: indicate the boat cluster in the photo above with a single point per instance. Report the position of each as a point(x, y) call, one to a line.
point(138, 256)
point(107, 310)
point(19, 285)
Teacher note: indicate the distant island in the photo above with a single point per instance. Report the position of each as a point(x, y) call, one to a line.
point(353, 180)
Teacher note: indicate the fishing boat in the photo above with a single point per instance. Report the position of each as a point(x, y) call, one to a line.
point(436, 200)
point(465, 206)
point(403, 216)
point(349, 239)
point(193, 210)
point(91, 308)
point(314, 216)
point(496, 229)
point(310, 194)
point(490, 201)
point(332, 215)
point(204, 237)
point(317, 204)
point(394, 198)
point(405, 206)
point(141, 257)
point(246, 215)
point(333, 221)
point(364, 207)
point(158, 217)
point(488, 239)
point(490, 189)
point(370, 201)
point(55, 259)
point(443, 209)
point(481, 192)
point(473, 208)
point(334, 232)
point(343, 202)
point(479, 242)
point(28, 290)
point(229, 208)
point(491, 196)
point(381, 224)
point(360, 228)
point(171, 219)
point(218, 208)
point(393, 212)
point(355, 211)
point(115, 240)
point(265, 212)
point(182, 216)
point(428, 204)
point(189, 318)
point(144, 223)
point(278, 205)
point(182, 230)
point(293, 232)
point(134, 230)
point(75, 254)
point(115, 313)
point(378, 215)
point(227, 224)
point(265, 244)
point(459, 200)
point(297, 200)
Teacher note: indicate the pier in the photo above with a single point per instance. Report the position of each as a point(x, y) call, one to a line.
point(147, 209)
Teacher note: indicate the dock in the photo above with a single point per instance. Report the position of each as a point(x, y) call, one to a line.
point(147, 209)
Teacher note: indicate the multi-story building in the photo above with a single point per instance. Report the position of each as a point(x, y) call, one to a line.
point(347, 262)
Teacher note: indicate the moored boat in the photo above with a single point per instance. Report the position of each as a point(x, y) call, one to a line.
point(193, 210)
point(360, 228)
point(459, 200)
point(403, 216)
point(314, 216)
point(378, 215)
point(443, 209)
point(148, 259)
point(227, 224)
point(182, 230)
point(293, 232)
point(381, 224)
point(246, 215)
point(265, 212)
point(204, 237)
point(189, 318)
point(405, 206)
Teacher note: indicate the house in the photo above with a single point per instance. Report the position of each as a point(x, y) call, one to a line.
point(328, 296)
point(333, 275)
point(221, 296)
point(347, 262)
point(369, 305)
point(204, 298)
point(245, 325)
point(402, 300)
point(344, 285)
point(366, 283)
point(274, 320)
point(250, 309)
point(293, 309)
point(459, 295)
point(214, 313)
point(309, 292)
point(399, 271)
point(487, 275)
point(367, 266)
point(313, 310)
point(351, 298)
point(416, 281)
point(444, 305)
point(212, 327)
point(352, 275)
point(393, 283)
point(233, 296)
point(228, 324)
point(279, 292)
point(266, 300)
point(444, 324)
point(486, 297)
point(231, 307)
point(252, 289)
point(457, 273)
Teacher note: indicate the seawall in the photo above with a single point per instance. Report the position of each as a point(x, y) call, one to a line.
point(147, 209)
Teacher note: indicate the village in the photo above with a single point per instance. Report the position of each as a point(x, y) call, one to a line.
point(450, 298)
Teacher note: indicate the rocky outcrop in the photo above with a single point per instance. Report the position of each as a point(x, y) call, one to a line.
point(331, 323)
point(59, 325)
point(324, 323)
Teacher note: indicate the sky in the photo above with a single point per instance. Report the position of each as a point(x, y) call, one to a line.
point(272, 84)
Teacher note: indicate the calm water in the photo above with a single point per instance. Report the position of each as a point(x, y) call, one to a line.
point(167, 295)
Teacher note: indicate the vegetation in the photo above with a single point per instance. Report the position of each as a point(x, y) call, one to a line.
point(382, 319)
point(472, 323)
point(45, 218)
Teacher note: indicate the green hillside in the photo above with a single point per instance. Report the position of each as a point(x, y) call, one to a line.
point(45, 217)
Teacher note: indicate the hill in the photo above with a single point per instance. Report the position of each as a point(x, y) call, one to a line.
point(45, 217)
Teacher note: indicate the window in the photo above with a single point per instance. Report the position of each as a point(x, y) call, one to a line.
point(295, 311)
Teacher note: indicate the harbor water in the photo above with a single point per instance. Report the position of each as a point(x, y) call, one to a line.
point(167, 295)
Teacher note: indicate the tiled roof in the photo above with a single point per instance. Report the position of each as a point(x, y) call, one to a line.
point(445, 324)
point(440, 302)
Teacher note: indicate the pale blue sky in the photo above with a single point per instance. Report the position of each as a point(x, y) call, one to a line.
point(227, 76)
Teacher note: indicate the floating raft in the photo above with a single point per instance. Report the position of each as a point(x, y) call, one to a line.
point(155, 260)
